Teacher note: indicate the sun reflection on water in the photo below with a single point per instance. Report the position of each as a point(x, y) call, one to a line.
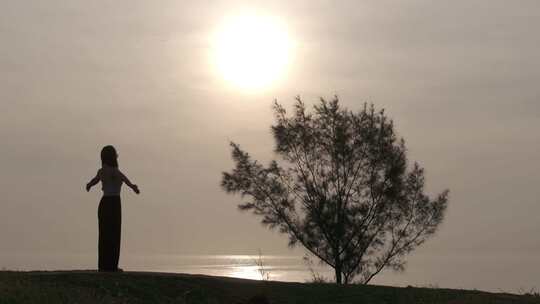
point(245, 272)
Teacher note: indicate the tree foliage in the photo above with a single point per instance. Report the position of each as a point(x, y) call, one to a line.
point(343, 189)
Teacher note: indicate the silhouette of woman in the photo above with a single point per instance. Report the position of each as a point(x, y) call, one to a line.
point(109, 210)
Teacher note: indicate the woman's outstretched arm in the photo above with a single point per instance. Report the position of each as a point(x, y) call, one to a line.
point(128, 182)
point(94, 181)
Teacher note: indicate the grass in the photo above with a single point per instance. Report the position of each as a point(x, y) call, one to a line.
point(147, 287)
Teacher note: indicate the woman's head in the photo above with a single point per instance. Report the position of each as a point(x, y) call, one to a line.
point(109, 157)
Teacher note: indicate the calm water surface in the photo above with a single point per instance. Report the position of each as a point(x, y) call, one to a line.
point(277, 267)
point(510, 272)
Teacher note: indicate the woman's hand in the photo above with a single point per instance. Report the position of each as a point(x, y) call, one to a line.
point(129, 184)
point(94, 181)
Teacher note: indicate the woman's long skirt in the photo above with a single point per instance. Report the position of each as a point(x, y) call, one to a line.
point(110, 221)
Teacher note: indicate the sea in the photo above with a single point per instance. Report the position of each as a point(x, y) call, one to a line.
point(256, 267)
point(513, 272)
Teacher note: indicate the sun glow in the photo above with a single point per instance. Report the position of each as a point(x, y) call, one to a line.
point(252, 51)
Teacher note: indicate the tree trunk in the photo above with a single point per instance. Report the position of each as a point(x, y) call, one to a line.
point(338, 274)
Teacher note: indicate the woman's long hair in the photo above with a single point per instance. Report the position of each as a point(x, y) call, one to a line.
point(109, 156)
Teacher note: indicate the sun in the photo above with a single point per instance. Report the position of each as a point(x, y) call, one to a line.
point(252, 51)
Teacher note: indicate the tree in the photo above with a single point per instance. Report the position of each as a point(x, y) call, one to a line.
point(343, 189)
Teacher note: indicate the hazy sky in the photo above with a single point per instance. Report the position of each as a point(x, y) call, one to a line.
point(459, 78)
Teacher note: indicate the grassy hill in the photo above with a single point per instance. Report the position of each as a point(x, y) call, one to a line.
point(146, 287)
